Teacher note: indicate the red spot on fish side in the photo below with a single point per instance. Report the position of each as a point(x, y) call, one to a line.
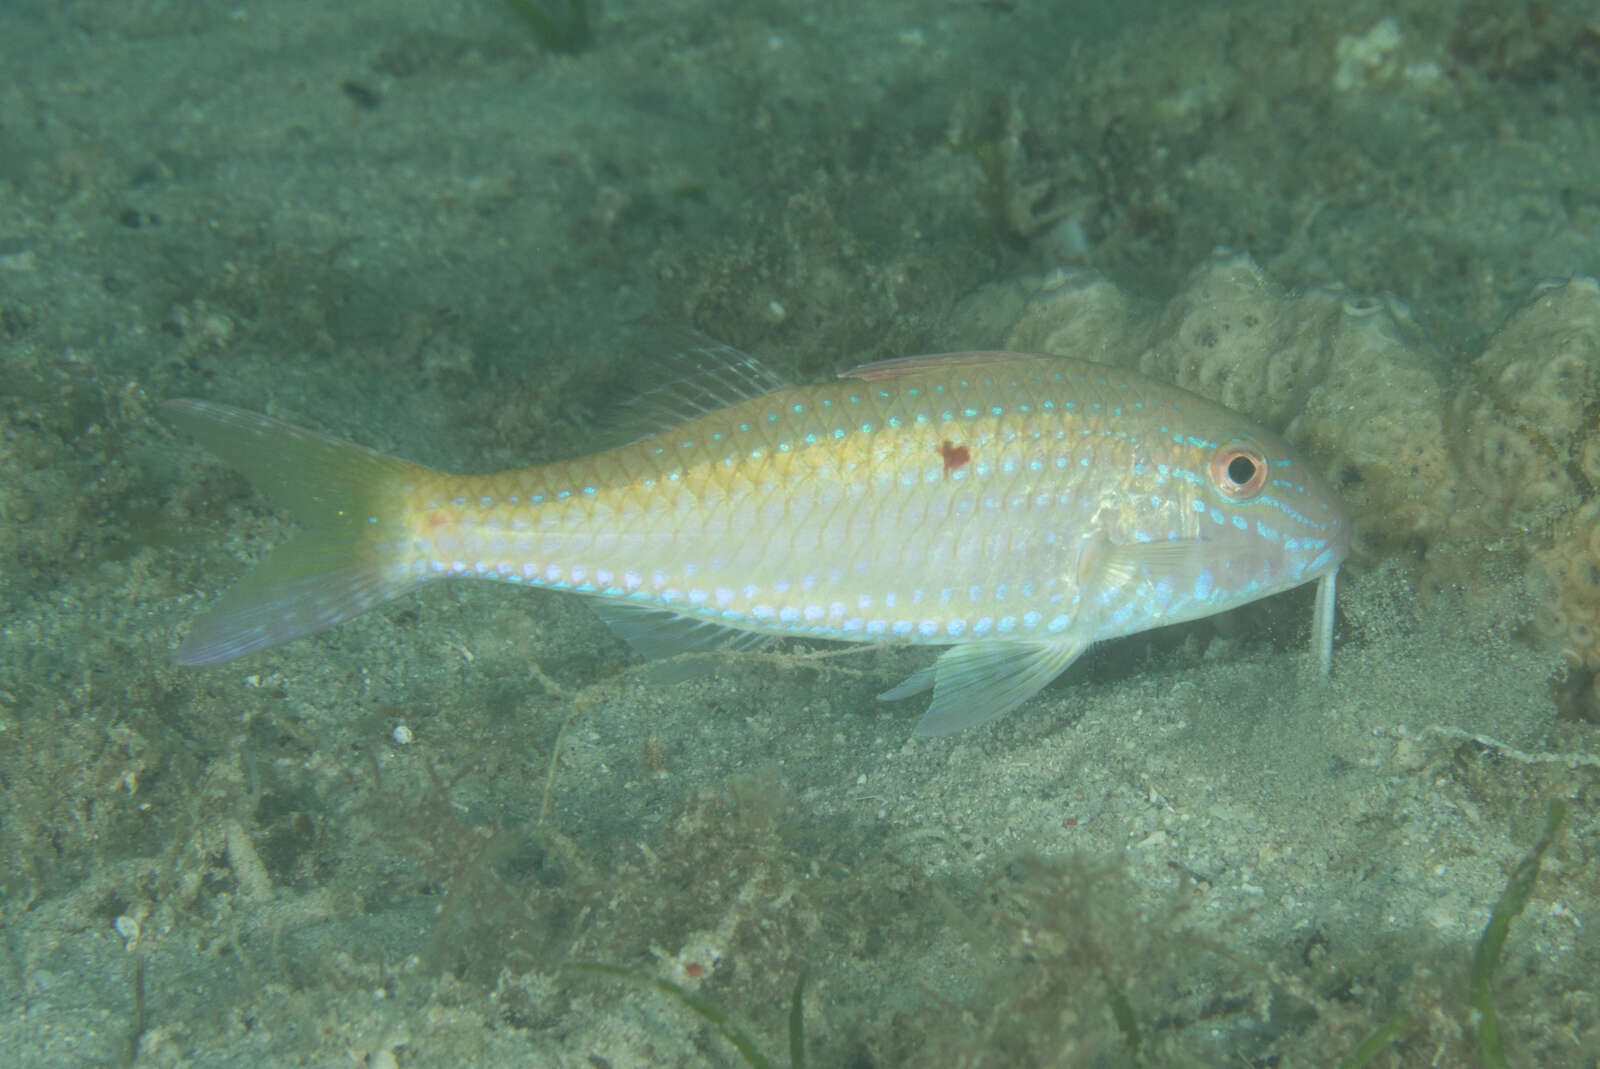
point(955, 456)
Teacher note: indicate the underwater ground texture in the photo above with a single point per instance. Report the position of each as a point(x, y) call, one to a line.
point(414, 225)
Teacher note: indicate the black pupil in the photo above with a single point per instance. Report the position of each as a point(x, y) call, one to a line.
point(1241, 469)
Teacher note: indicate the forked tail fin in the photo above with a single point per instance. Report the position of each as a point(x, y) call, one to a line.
point(348, 559)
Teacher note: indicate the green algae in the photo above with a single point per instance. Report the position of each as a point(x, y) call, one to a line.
point(1485, 959)
point(1374, 1044)
point(1512, 902)
point(560, 27)
point(714, 1016)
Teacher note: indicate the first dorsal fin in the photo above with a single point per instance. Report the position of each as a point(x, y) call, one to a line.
point(694, 376)
point(916, 365)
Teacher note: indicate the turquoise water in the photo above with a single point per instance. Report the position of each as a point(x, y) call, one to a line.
point(407, 224)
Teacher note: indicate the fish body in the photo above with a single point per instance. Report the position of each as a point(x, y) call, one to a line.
point(1016, 508)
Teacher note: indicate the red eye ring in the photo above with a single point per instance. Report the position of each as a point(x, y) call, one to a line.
point(1239, 470)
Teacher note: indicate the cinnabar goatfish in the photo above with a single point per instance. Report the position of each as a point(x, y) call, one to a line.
point(1014, 508)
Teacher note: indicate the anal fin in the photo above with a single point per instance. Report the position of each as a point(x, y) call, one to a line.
point(658, 634)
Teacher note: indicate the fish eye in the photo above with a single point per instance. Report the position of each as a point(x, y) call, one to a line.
point(1239, 470)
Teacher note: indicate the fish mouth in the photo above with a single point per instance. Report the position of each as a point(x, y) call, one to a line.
point(1341, 535)
point(1338, 536)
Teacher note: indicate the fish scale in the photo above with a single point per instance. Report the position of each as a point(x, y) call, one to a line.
point(1016, 508)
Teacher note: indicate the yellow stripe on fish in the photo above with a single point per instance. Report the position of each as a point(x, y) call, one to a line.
point(1017, 508)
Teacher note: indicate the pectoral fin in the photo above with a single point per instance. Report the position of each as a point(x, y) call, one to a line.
point(977, 681)
point(1105, 566)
